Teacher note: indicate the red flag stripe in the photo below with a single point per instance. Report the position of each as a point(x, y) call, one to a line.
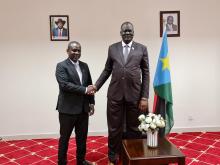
point(155, 103)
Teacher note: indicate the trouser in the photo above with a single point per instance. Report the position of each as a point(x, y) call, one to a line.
point(67, 123)
point(122, 118)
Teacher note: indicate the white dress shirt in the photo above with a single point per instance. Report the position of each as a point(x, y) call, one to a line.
point(129, 46)
point(170, 27)
point(76, 64)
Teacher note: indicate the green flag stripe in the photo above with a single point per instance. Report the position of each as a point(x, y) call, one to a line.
point(164, 91)
point(169, 117)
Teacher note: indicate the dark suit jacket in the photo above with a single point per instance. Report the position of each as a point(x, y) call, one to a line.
point(129, 80)
point(55, 32)
point(173, 26)
point(72, 98)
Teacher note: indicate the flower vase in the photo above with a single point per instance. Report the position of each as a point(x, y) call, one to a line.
point(152, 138)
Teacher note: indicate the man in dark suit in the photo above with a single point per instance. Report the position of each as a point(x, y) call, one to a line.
point(128, 90)
point(60, 31)
point(74, 103)
point(170, 26)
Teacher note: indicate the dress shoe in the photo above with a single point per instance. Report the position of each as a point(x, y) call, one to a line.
point(63, 162)
point(111, 163)
point(85, 162)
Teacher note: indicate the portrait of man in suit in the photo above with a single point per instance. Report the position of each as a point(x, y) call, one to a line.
point(170, 20)
point(59, 28)
point(170, 26)
point(128, 92)
point(74, 104)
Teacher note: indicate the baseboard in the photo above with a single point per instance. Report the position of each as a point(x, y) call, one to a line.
point(104, 133)
point(46, 135)
point(196, 129)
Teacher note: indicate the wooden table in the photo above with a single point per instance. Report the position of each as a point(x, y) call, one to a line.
point(136, 152)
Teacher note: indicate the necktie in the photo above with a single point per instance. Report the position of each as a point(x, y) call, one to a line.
point(60, 34)
point(79, 72)
point(126, 52)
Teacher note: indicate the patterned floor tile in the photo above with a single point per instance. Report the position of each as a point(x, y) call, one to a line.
point(200, 148)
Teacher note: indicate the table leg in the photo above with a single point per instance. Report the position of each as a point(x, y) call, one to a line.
point(181, 161)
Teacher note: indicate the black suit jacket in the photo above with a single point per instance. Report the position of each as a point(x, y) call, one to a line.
point(129, 79)
point(72, 98)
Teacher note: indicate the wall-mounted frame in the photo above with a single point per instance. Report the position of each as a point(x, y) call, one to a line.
point(59, 27)
point(170, 20)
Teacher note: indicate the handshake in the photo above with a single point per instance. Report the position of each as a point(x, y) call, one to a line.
point(91, 90)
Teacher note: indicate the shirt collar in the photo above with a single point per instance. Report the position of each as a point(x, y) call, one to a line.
point(170, 25)
point(129, 45)
point(74, 63)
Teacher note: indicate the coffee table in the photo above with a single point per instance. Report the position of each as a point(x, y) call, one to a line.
point(136, 152)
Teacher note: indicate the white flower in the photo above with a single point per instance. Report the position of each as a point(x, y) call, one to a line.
point(146, 127)
point(150, 114)
point(142, 126)
point(141, 118)
point(148, 120)
point(156, 117)
point(153, 126)
point(162, 124)
point(154, 121)
point(158, 123)
point(140, 129)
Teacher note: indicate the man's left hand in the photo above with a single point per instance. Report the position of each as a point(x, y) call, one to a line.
point(143, 105)
point(92, 109)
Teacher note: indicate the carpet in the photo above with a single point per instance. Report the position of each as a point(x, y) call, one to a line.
point(200, 148)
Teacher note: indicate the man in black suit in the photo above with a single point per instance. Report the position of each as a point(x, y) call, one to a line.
point(128, 90)
point(74, 103)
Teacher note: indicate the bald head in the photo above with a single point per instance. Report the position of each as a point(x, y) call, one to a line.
point(73, 44)
point(127, 24)
point(127, 32)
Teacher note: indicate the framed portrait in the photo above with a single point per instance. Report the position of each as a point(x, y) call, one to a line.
point(59, 27)
point(171, 21)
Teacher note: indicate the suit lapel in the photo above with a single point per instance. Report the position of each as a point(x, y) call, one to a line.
point(120, 50)
point(73, 69)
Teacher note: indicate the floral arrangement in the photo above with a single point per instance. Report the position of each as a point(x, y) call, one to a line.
point(150, 122)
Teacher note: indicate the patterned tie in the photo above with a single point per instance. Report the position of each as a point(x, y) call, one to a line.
point(126, 52)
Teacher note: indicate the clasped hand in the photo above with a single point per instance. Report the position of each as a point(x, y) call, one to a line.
point(91, 90)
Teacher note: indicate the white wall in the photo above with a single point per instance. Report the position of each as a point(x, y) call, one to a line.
point(28, 88)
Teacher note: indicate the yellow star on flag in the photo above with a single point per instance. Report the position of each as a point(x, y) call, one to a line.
point(166, 64)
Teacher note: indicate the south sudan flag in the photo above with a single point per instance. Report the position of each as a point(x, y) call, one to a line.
point(163, 100)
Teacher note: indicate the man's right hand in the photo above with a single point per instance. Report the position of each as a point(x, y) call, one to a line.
point(143, 105)
point(91, 89)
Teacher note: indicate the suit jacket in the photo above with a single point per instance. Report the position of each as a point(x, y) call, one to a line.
point(173, 26)
point(56, 32)
point(72, 98)
point(129, 79)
